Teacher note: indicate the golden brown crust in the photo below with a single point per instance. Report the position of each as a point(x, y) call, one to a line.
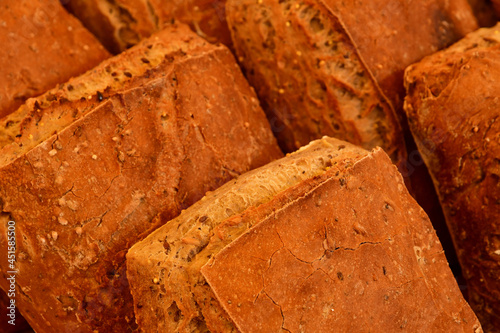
point(155, 144)
point(42, 45)
point(380, 245)
point(452, 106)
point(164, 270)
point(40, 117)
point(120, 24)
point(317, 64)
point(355, 251)
point(414, 30)
point(310, 76)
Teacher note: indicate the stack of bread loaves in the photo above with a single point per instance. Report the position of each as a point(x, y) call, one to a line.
point(90, 163)
point(146, 192)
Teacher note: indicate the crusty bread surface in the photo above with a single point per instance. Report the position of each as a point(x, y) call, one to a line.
point(453, 110)
point(293, 246)
point(178, 121)
point(41, 46)
point(121, 24)
point(331, 67)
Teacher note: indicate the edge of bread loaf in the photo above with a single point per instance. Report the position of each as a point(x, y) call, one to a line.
point(182, 242)
point(41, 117)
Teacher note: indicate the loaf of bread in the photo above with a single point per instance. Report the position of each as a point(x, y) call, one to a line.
point(41, 46)
point(122, 23)
point(318, 65)
point(326, 239)
point(94, 161)
point(332, 67)
point(453, 107)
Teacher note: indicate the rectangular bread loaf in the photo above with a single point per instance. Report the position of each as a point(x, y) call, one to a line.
point(40, 117)
point(326, 239)
point(454, 111)
point(147, 132)
point(42, 46)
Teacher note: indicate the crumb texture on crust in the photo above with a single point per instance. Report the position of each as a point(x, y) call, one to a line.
point(156, 143)
point(42, 46)
point(350, 253)
point(455, 120)
point(331, 67)
point(40, 117)
point(414, 30)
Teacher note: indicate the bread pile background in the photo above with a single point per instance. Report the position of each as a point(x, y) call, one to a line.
point(142, 159)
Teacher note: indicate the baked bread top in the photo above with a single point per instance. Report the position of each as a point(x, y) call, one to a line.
point(40, 117)
point(393, 34)
point(324, 228)
point(310, 77)
point(42, 46)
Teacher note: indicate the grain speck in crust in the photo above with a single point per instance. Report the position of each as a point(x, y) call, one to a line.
point(289, 247)
point(453, 108)
point(87, 184)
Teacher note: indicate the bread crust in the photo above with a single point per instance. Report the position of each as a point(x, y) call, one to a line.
point(374, 229)
point(320, 66)
point(42, 46)
point(414, 30)
point(40, 117)
point(83, 196)
point(339, 256)
point(452, 106)
point(164, 270)
point(310, 76)
point(120, 24)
